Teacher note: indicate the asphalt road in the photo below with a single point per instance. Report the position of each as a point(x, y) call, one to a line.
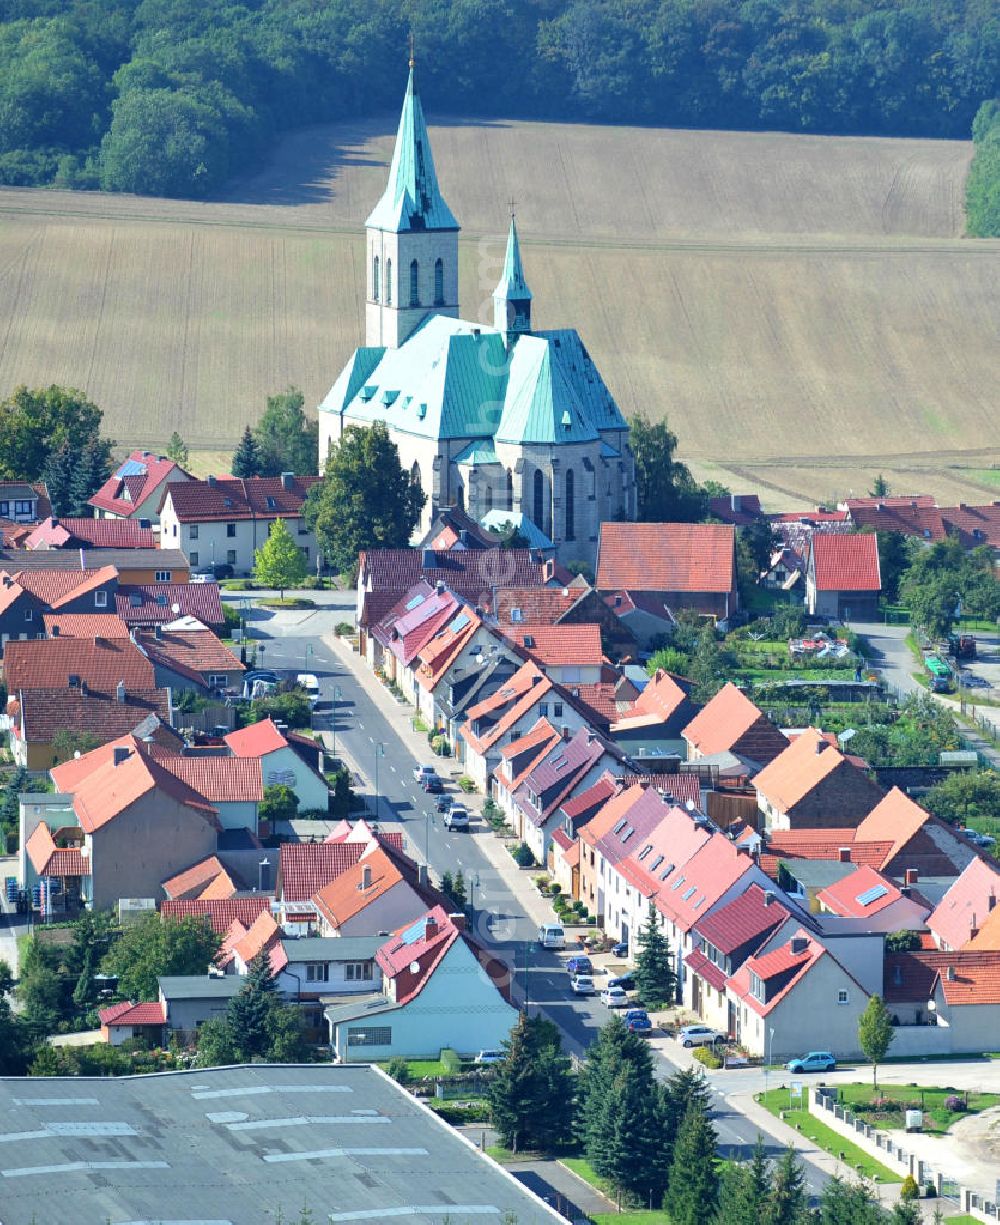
point(499, 920)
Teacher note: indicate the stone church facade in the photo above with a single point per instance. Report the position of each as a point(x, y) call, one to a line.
point(510, 423)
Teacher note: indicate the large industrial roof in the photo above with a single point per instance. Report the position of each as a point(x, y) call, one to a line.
point(230, 1146)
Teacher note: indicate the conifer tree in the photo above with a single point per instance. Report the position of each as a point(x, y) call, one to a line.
point(177, 449)
point(447, 885)
point(634, 1158)
point(246, 457)
point(513, 1090)
point(654, 970)
point(249, 1012)
point(531, 1094)
point(458, 890)
point(279, 561)
point(83, 992)
point(58, 477)
point(687, 1086)
point(694, 1179)
point(91, 468)
point(614, 1046)
point(788, 1202)
point(744, 1190)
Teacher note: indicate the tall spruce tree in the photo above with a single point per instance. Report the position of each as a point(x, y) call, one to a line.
point(91, 469)
point(249, 1012)
point(694, 1179)
point(788, 1203)
point(177, 449)
point(654, 969)
point(58, 477)
point(614, 1046)
point(634, 1158)
point(246, 458)
point(531, 1094)
point(684, 1088)
point(744, 1191)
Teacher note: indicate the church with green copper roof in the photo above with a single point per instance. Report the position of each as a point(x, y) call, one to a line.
point(503, 421)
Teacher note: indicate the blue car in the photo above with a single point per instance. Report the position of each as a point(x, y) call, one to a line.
point(637, 1020)
point(815, 1061)
point(579, 965)
point(620, 950)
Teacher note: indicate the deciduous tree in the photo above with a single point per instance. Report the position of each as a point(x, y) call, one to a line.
point(875, 1033)
point(286, 439)
point(666, 491)
point(279, 562)
point(34, 422)
point(153, 947)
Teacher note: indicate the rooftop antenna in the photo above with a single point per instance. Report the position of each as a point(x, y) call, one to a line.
point(412, 60)
point(512, 207)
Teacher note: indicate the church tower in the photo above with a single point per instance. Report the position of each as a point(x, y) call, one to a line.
point(412, 239)
point(512, 297)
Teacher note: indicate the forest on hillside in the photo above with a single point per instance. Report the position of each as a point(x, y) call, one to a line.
point(172, 97)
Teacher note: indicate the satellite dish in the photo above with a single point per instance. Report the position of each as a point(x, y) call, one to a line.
point(175, 608)
point(414, 967)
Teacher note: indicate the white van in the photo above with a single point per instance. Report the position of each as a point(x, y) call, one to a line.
point(551, 936)
point(310, 684)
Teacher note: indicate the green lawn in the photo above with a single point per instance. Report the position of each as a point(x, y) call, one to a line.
point(776, 1100)
point(930, 1100)
point(421, 1067)
point(631, 1216)
point(506, 1155)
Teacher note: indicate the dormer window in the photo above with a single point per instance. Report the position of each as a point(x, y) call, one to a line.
point(271, 504)
point(516, 615)
point(757, 988)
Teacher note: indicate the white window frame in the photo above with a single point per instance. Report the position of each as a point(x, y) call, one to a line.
point(100, 599)
point(163, 576)
point(317, 971)
point(843, 996)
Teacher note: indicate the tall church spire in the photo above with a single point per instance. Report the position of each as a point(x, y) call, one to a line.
point(412, 199)
point(512, 297)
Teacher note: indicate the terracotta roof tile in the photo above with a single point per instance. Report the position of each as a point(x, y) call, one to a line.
point(133, 1014)
point(84, 625)
point(498, 713)
point(966, 905)
point(305, 868)
point(99, 663)
point(896, 819)
point(793, 774)
point(925, 522)
point(609, 816)
point(230, 497)
point(595, 796)
point(91, 534)
point(237, 780)
point(518, 757)
point(348, 894)
point(710, 872)
point(746, 510)
point(781, 964)
point(437, 655)
point(141, 475)
point(259, 936)
point(515, 607)
point(417, 616)
point(658, 856)
point(666, 557)
point(194, 879)
point(699, 964)
point(846, 563)
point(48, 859)
point(220, 912)
point(421, 944)
point(988, 936)
point(194, 653)
point(55, 587)
point(559, 645)
point(746, 918)
point(730, 722)
point(971, 978)
point(47, 711)
point(861, 893)
point(159, 603)
point(664, 698)
point(256, 739)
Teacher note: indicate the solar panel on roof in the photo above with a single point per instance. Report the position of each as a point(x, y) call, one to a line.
point(460, 622)
point(871, 895)
point(416, 932)
point(132, 467)
point(415, 602)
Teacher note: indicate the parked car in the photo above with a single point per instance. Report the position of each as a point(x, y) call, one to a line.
point(432, 784)
point(579, 965)
point(551, 936)
point(582, 984)
point(637, 1020)
point(815, 1061)
point(310, 683)
point(456, 817)
point(625, 981)
point(971, 681)
point(422, 772)
point(488, 1057)
point(614, 997)
point(698, 1035)
point(620, 950)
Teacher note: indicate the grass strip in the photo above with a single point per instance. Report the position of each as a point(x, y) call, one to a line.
point(826, 1138)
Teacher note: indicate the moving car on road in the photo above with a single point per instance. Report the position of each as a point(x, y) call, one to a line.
point(443, 803)
point(456, 817)
point(815, 1061)
point(614, 997)
point(310, 683)
point(422, 772)
point(432, 784)
point(579, 965)
point(698, 1035)
point(582, 984)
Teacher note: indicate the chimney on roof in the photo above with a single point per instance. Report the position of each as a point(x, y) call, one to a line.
point(991, 901)
point(264, 875)
point(950, 974)
point(211, 480)
point(121, 754)
point(798, 945)
point(286, 479)
point(463, 535)
point(421, 874)
point(439, 586)
point(973, 927)
point(912, 876)
point(430, 927)
point(844, 854)
point(457, 920)
point(564, 731)
point(55, 631)
point(768, 897)
point(366, 877)
point(735, 502)
point(120, 691)
point(428, 559)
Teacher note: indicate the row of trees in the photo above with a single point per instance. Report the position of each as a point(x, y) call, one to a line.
point(284, 440)
point(982, 188)
point(166, 97)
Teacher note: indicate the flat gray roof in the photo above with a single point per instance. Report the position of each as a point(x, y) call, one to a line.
point(332, 948)
point(233, 1146)
point(201, 986)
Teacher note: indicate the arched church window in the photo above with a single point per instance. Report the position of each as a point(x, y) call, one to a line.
point(460, 498)
point(439, 282)
point(414, 283)
point(375, 279)
point(510, 490)
point(489, 499)
point(570, 525)
point(539, 500)
point(388, 282)
point(415, 475)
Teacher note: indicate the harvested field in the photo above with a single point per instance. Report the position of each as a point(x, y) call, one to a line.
point(782, 299)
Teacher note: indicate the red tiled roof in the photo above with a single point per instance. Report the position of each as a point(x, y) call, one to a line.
point(92, 534)
point(509, 703)
point(971, 978)
point(666, 557)
point(193, 653)
point(712, 870)
point(55, 587)
point(699, 964)
point(146, 473)
point(609, 816)
point(47, 711)
point(746, 510)
point(659, 702)
point(84, 625)
point(966, 905)
point(195, 879)
point(305, 868)
point(154, 603)
point(518, 757)
point(809, 516)
point(437, 655)
point(232, 497)
point(100, 664)
point(234, 780)
point(925, 522)
point(559, 646)
point(748, 917)
point(346, 895)
point(730, 722)
point(423, 945)
point(601, 697)
point(261, 935)
point(534, 605)
point(634, 824)
point(908, 978)
point(890, 500)
point(594, 796)
point(133, 1014)
point(672, 842)
point(896, 819)
point(48, 859)
point(846, 563)
point(561, 767)
point(779, 962)
point(988, 935)
point(793, 774)
point(821, 844)
point(220, 912)
point(256, 739)
point(973, 525)
point(416, 617)
point(677, 789)
point(846, 896)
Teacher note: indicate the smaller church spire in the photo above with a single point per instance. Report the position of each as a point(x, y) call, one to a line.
point(512, 297)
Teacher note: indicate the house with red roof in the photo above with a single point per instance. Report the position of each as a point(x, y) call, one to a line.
point(439, 989)
point(574, 813)
point(27, 595)
point(98, 665)
point(378, 893)
point(24, 503)
point(731, 724)
point(146, 605)
point(132, 823)
point(648, 572)
point(867, 894)
point(135, 489)
point(305, 868)
point(943, 1002)
point(224, 520)
point(84, 625)
point(570, 654)
point(395, 642)
point(794, 996)
point(219, 912)
point(122, 1022)
point(592, 859)
point(966, 906)
point(280, 764)
point(517, 760)
point(812, 785)
point(843, 578)
point(654, 724)
point(576, 603)
point(74, 533)
point(722, 941)
point(206, 879)
point(190, 660)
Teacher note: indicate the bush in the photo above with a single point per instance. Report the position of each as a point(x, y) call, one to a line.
point(522, 855)
point(706, 1056)
point(955, 1104)
point(909, 1189)
point(313, 583)
point(467, 784)
point(224, 570)
point(555, 889)
point(399, 1070)
point(457, 1113)
point(930, 1190)
point(343, 629)
point(450, 1061)
point(440, 746)
point(584, 914)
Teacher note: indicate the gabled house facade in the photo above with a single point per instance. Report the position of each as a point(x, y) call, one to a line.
point(843, 579)
point(135, 489)
point(812, 785)
point(731, 723)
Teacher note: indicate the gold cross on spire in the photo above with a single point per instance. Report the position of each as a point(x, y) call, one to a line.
point(512, 206)
point(412, 61)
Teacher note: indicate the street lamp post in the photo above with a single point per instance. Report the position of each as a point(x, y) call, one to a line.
point(473, 886)
point(338, 693)
point(767, 1056)
point(309, 652)
point(428, 822)
point(379, 752)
